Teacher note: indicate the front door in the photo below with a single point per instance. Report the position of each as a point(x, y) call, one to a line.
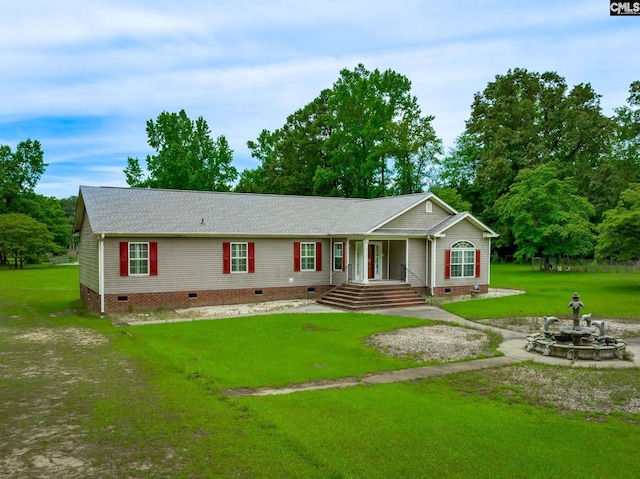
point(371, 266)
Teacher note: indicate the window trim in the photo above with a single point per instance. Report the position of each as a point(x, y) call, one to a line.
point(140, 260)
point(297, 256)
point(245, 257)
point(463, 247)
point(126, 259)
point(226, 257)
point(307, 256)
point(340, 256)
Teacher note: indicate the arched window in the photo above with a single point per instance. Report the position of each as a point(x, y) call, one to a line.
point(462, 261)
point(428, 207)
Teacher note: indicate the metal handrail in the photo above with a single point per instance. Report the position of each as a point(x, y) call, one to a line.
point(321, 282)
point(406, 270)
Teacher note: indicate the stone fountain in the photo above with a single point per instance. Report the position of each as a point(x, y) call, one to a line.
point(577, 342)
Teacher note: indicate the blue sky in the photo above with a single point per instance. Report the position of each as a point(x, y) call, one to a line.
point(84, 76)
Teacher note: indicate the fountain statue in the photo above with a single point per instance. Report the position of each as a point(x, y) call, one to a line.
point(576, 342)
point(576, 304)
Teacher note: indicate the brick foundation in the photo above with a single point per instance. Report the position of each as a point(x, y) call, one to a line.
point(458, 290)
point(124, 303)
point(90, 299)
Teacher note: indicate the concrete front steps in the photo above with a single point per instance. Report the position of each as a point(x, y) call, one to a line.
point(360, 297)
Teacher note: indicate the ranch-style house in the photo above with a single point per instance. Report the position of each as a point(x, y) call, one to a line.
point(144, 249)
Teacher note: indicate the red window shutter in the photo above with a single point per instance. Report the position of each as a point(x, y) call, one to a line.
point(344, 255)
point(124, 258)
point(153, 258)
point(477, 263)
point(296, 256)
point(447, 264)
point(226, 257)
point(251, 251)
point(318, 256)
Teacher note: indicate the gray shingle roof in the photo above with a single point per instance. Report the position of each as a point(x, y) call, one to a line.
point(177, 212)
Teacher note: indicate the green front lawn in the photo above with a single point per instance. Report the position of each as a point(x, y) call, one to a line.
point(605, 295)
point(274, 349)
point(150, 402)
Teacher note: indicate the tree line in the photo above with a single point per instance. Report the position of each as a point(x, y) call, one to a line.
point(30, 224)
point(538, 161)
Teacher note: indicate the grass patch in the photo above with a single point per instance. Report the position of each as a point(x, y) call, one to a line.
point(427, 429)
point(547, 294)
point(81, 398)
point(274, 349)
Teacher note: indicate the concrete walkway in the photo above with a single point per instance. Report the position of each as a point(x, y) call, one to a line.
point(513, 349)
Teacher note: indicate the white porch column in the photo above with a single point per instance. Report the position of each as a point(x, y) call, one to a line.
point(406, 261)
point(365, 261)
point(433, 265)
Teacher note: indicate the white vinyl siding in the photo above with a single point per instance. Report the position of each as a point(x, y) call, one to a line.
point(195, 264)
point(463, 231)
point(88, 257)
point(417, 262)
point(418, 218)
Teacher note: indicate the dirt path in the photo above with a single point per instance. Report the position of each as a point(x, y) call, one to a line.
point(51, 382)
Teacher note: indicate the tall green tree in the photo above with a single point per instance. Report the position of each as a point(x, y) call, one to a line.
point(290, 156)
point(48, 210)
point(20, 171)
point(621, 166)
point(545, 215)
point(525, 120)
point(22, 237)
point(619, 232)
point(457, 171)
point(187, 157)
point(364, 137)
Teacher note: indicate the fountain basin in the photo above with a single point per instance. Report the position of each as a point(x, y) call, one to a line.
point(604, 348)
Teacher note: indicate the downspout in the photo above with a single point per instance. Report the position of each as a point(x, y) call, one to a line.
point(101, 271)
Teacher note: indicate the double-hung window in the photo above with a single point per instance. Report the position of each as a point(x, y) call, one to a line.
point(138, 258)
point(338, 256)
point(307, 256)
point(239, 257)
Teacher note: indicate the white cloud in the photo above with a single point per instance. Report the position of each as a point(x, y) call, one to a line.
point(245, 65)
